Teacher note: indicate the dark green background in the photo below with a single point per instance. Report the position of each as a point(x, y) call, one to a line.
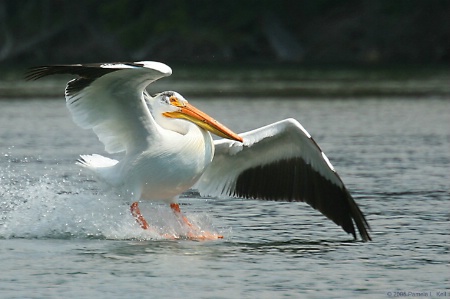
point(346, 32)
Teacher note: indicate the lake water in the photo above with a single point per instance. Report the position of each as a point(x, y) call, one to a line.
point(63, 235)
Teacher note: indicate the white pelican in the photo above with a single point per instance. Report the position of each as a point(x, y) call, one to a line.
point(168, 147)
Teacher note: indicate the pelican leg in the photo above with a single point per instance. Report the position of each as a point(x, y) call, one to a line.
point(136, 212)
point(176, 209)
point(134, 208)
point(195, 232)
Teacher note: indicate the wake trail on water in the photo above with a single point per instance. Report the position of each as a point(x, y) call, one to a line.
point(74, 207)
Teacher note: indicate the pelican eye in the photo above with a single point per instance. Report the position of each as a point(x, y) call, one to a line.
point(175, 102)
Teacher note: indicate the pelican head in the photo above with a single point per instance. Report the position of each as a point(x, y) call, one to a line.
point(172, 105)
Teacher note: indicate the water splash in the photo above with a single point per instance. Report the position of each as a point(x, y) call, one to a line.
point(65, 206)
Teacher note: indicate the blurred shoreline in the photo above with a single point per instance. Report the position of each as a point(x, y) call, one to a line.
point(264, 81)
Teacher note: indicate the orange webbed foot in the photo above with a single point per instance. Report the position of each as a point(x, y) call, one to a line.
point(194, 231)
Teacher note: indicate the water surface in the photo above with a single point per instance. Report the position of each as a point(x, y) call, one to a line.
point(62, 234)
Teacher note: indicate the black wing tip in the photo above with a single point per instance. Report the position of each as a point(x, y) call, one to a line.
point(362, 226)
point(359, 220)
point(363, 233)
point(270, 182)
point(89, 70)
point(37, 72)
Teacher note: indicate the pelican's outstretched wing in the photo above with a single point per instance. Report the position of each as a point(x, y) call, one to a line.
point(108, 98)
point(282, 162)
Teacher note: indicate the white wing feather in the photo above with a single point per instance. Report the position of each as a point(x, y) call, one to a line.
point(114, 106)
point(282, 162)
point(281, 140)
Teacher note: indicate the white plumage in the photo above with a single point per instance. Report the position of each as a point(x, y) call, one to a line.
point(168, 147)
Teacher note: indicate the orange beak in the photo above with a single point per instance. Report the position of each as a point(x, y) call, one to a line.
point(203, 120)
